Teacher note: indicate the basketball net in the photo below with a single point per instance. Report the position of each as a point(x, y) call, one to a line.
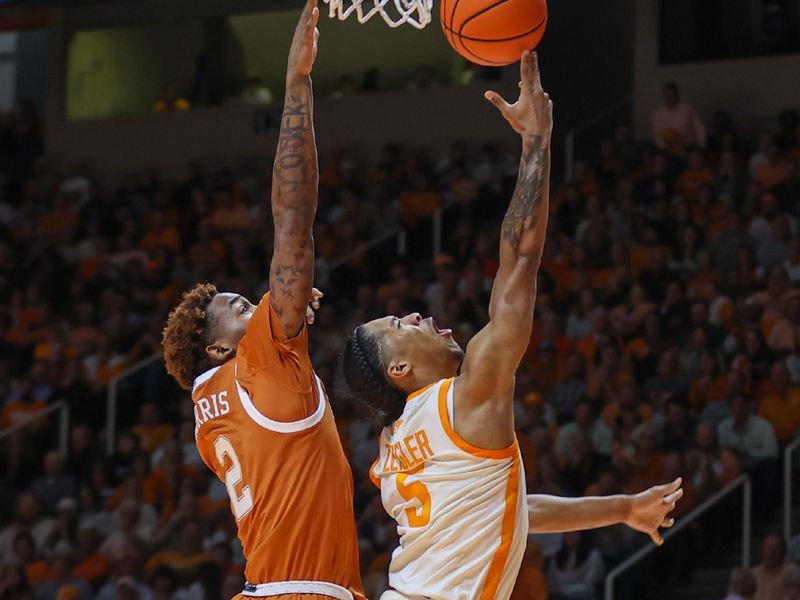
point(416, 13)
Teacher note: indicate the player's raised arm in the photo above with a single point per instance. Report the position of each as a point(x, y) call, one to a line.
point(493, 355)
point(295, 182)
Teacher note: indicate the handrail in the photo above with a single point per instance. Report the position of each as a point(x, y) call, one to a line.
point(401, 246)
point(742, 480)
point(111, 398)
point(569, 138)
point(787, 488)
point(63, 424)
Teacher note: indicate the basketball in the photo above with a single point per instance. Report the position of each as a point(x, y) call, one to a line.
point(493, 33)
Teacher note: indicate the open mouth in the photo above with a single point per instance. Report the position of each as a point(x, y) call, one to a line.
point(440, 331)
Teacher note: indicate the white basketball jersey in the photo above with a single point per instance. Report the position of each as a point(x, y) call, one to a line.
point(461, 511)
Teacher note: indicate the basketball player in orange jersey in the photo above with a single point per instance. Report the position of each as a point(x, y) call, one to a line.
point(263, 423)
point(449, 467)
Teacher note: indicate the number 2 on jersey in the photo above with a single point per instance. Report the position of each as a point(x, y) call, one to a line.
point(240, 504)
point(417, 517)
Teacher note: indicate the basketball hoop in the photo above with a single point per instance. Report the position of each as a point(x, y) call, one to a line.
point(416, 13)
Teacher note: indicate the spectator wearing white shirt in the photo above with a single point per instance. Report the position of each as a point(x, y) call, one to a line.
point(750, 436)
point(676, 124)
point(753, 440)
point(742, 585)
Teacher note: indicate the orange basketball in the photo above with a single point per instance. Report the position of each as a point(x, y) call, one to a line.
point(493, 32)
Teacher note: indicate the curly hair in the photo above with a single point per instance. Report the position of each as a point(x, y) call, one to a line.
point(186, 335)
point(361, 374)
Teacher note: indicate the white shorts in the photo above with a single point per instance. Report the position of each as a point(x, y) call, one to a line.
point(393, 595)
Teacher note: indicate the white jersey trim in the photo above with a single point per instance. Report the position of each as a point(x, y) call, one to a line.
point(279, 588)
point(203, 377)
point(281, 426)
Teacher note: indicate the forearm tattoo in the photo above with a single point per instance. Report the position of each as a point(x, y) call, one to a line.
point(294, 205)
point(295, 160)
point(534, 171)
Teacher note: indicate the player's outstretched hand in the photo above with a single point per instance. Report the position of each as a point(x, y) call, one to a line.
point(304, 45)
point(313, 305)
point(532, 114)
point(649, 509)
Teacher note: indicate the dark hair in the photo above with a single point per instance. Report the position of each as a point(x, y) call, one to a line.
point(361, 375)
point(185, 337)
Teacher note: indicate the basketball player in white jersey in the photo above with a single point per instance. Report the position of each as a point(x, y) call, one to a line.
point(449, 467)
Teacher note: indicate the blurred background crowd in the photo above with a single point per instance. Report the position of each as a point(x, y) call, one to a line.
point(666, 343)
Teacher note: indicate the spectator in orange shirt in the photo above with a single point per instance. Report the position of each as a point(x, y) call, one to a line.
point(694, 176)
point(152, 432)
point(160, 233)
point(22, 408)
point(187, 555)
point(774, 171)
point(781, 406)
point(36, 571)
point(93, 566)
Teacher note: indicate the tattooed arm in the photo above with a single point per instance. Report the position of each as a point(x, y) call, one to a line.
point(294, 183)
point(485, 387)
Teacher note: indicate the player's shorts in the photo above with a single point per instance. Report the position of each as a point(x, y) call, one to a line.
point(295, 590)
point(393, 595)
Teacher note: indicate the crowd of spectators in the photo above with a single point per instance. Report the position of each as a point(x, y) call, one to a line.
point(666, 343)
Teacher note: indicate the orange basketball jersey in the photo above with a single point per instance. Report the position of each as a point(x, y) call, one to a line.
point(265, 427)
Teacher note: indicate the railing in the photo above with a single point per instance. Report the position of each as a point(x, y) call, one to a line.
point(569, 139)
point(63, 424)
point(398, 232)
point(111, 398)
point(787, 488)
point(742, 481)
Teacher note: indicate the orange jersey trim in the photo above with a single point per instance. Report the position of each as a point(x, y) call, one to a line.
point(419, 392)
point(509, 452)
point(500, 559)
point(372, 477)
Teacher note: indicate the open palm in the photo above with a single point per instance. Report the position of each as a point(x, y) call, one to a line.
point(650, 508)
point(532, 113)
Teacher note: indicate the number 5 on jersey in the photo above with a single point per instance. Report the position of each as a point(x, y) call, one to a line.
point(240, 504)
point(417, 517)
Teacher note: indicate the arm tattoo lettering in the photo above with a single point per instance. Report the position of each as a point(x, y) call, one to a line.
point(291, 169)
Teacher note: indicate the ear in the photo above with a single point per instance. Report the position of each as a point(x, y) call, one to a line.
point(398, 369)
point(218, 351)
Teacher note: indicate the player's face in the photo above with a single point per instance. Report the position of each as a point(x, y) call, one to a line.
point(231, 314)
point(419, 341)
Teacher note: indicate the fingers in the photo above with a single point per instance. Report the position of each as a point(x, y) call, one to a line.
point(498, 101)
point(656, 537)
point(316, 296)
point(672, 498)
point(530, 70)
point(310, 316)
point(668, 488)
point(667, 523)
